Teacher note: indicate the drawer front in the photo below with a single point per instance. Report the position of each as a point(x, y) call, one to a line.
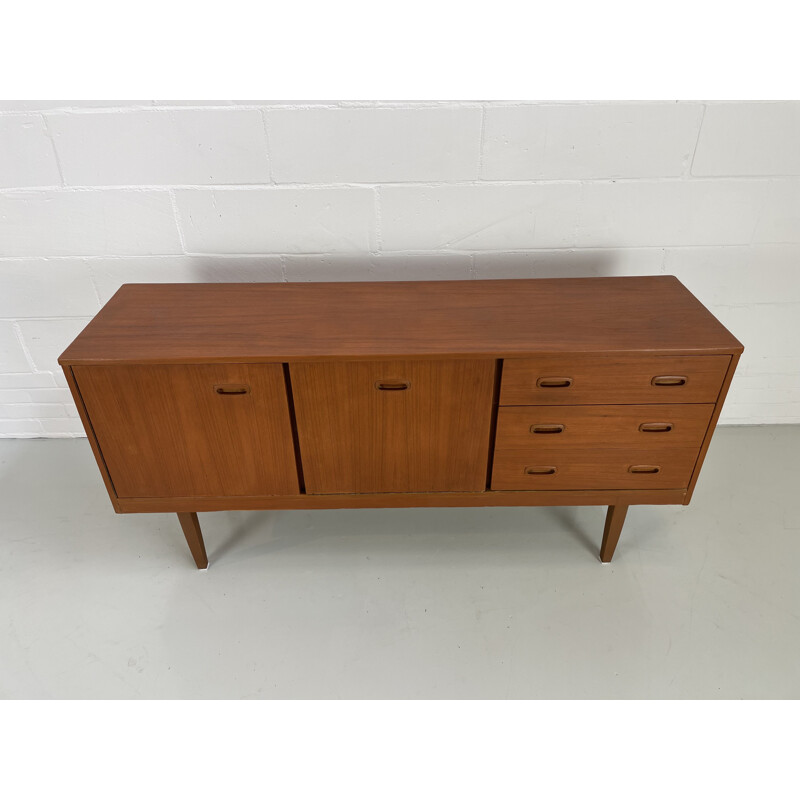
point(586, 468)
point(524, 430)
point(570, 380)
point(394, 426)
point(192, 430)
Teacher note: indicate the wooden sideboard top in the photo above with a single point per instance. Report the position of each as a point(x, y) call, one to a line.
point(196, 322)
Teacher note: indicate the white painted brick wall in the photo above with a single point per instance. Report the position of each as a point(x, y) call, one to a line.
point(589, 141)
point(158, 148)
point(27, 157)
point(65, 222)
point(618, 214)
point(284, 219)
point(372, 145)
point(749, 139)
point(94, 194)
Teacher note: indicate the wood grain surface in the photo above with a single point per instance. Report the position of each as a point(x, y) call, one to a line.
point(135, 505)
point(527, 429)
point(611, 379)
point(426, 430)
point(593, 468)
point(615, 518)
point(723, 392)
point(204, 323)
point(194, 538)
point(166, 431)
point(599, 391)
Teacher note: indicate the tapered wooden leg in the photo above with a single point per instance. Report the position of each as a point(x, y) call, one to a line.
point(194, 537)
point(614, 521)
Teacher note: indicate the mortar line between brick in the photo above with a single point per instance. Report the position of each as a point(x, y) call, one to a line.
point(156, 105)
point(49, 133)
point(378, 219)
point(176, 217)
point(93, 281)
point(21, 339)
point(696, 143)
point(412, 252)
point(482, 142)
point(17, 319)
point(251, 187)
point(267, 144)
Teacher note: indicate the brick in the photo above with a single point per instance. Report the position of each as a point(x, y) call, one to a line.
point(168, 103)
point(767, 395)
point(237, 269)
point(32, 411)
point(646, 213)
point(761, 364)
point(154, 147)
point(40, 287)
point(758, 414)
point(27, 157)
point(788, 381)
point(12, 356)
point(569, 263)
point(22, 428)
point(563, 215)
point(585, 141)
point(394, 267)
point(48, 395)
point(738, 275)
point(422, 267)
point(749, 139)
point(370, 145)
point(768, 330)
point(277, 220)
point(46, 339)
point(478, 217)
point(66, 427)
point(328, 268)
point(109, 274)
point(16, 106)
point(65, 223)
point(26, 380)
point(780, 220)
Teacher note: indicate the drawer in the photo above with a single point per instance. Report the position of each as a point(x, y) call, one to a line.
point(525, 430)
point(570, 380)
point(592, 468)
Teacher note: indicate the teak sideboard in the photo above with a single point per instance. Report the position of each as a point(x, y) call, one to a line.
point(580, 391)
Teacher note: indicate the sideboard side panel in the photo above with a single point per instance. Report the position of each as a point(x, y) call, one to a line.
point(712, 425)
point(90, 435)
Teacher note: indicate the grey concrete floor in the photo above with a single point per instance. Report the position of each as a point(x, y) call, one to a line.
point(700, 602)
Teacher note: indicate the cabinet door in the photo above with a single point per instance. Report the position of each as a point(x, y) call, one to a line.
point(394, 426)
point(192, 430)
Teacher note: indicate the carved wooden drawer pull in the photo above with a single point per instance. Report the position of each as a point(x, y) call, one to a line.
point(231, 388)
point(669, 380)
point(540, 470)
point(392, 386)
point(554, 383)
point(547, 428)
point(656, 427)
point(644, 469)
